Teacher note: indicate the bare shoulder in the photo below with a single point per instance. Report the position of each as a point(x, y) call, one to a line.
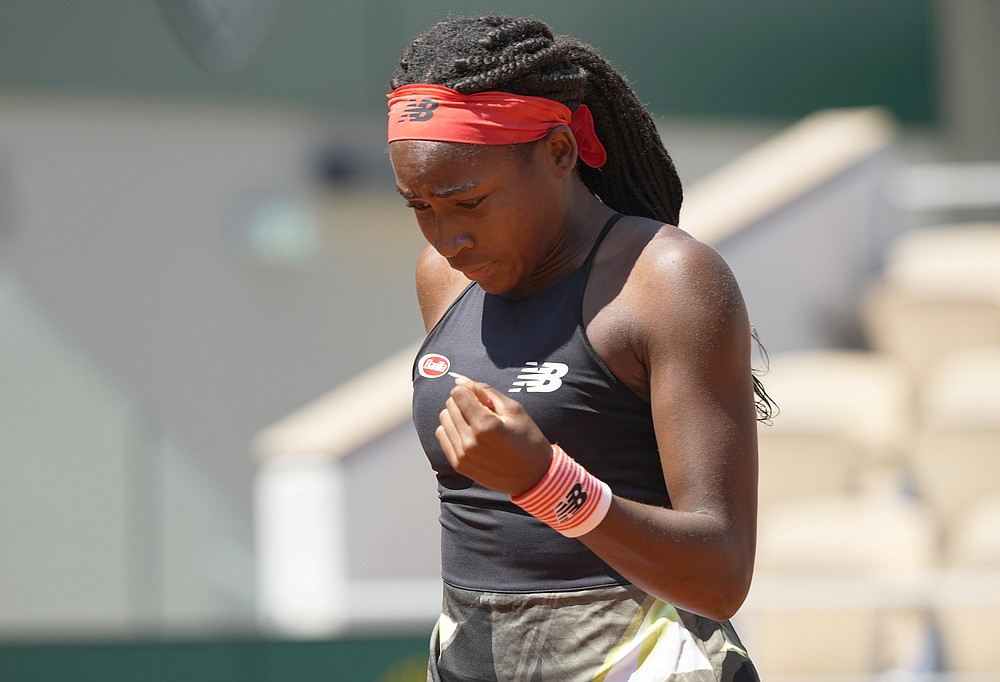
point(689, 283)
point(438, 285)
point(677, 264)
point(661, 300)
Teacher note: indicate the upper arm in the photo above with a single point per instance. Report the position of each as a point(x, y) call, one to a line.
point(695, 343)
point(438, 285)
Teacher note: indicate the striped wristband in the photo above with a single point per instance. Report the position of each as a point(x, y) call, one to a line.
point(568, 498)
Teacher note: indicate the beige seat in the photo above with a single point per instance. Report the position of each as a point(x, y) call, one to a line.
point(956, 462)
point(968, 613)
point(962, 389)
point(968, 608)
point(939, 291)
point(956, 259)
point(804, 641)
point(956, 456)
point(834, 588)
point(864, 396)
point(919, 327)
point(796, 464)
point(845, 418)
point(954, 467)
point(974, 542)
point(868, 533)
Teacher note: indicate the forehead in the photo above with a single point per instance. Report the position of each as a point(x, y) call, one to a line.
point(417, 161)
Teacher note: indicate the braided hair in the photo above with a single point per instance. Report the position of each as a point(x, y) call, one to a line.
point(521, 56)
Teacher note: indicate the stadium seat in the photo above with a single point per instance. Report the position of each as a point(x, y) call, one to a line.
point(962, 389)
point(844, 422)
point(835, 592)
point(967, 611)
point(974, 542)
point(956, 259)
point(956, 455)
point(864, 396)
point(968, 605)
point(919, 327)
point(809, 641)
point(955, 467)
point(797, 464)
point(939, 291)
point(866, 533)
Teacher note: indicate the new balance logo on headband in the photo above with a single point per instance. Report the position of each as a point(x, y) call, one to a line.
point(540, 379)
point(418, 110)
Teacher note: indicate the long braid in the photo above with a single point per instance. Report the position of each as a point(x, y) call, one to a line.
point(522, 56)
point(640, 176)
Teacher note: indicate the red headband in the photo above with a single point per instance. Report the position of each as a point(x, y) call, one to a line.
point(434, 112)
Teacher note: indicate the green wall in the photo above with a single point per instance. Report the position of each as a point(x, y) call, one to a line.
point(765, 58)
point(382, 659)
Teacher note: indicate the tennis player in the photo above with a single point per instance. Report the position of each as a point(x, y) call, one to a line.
point(585, 392)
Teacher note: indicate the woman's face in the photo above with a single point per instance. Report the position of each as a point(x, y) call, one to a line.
point(491, 210)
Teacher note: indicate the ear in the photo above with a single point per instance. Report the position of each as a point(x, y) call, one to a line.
point(560, 147)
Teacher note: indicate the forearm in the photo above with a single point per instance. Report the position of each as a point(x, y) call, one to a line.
point(697, 561)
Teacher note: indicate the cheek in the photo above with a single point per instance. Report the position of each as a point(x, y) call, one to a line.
point(426, 226)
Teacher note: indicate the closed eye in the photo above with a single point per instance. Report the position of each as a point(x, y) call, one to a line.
point(417, 206)
point(471, 203)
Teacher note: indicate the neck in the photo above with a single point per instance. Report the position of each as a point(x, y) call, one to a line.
point(580, 224)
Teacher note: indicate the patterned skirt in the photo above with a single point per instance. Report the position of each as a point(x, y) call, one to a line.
point(603, 635)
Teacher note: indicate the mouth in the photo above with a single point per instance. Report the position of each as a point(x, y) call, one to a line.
point(473, 271)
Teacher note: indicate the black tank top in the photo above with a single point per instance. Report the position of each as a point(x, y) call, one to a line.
point(536, 350)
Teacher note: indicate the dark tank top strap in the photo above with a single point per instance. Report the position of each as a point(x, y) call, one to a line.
point(600, 238)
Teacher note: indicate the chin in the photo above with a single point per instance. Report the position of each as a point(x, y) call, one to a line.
point(498, 288)
point(491, 283)
point(492, 288)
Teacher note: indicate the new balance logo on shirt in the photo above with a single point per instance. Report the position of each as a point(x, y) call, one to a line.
point(544, 378)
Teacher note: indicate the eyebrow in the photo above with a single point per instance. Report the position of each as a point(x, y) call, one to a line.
point(444, 192)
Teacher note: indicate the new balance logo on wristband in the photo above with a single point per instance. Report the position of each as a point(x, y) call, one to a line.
point(568, 498)
point(417, 111)
point(540, 379)
point(571, 504)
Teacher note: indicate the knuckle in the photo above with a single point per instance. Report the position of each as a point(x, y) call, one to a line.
point(489, 426)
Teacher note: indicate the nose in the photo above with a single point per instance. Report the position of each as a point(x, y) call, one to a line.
point(448, 238)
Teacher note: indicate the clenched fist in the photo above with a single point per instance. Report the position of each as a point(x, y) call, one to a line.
point(489, 438)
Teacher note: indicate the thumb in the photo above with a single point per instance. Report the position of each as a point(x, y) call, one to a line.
point(485, 394)
point(488, 396)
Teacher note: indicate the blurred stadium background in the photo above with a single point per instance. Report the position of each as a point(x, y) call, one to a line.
point(207, 319)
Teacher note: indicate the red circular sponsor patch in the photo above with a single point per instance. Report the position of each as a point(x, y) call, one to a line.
point(433, 365)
